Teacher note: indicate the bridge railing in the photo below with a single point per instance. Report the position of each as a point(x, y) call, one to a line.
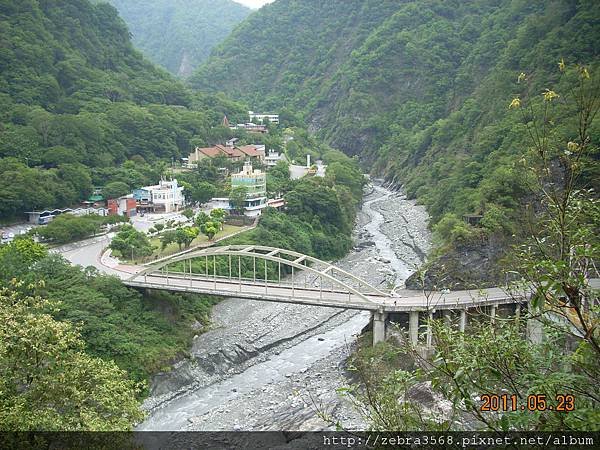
point(261, 265)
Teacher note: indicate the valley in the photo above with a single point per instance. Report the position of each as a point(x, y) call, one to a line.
point(262, 363)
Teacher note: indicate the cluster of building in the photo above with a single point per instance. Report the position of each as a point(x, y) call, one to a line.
point(229, 151)
point(164, 197)
point(252, 153)
point(167, 196)
point(254, 182)
point(256, 123)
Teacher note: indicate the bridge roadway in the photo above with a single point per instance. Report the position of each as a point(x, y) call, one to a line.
point(401, 301)
point(336, 288)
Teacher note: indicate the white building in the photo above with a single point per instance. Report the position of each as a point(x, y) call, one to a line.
point(273, 158)
point(273, 118)
point(255, 184)
point(166, 196)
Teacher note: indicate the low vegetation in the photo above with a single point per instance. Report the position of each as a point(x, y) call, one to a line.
point(142, 334)
point(68, 227)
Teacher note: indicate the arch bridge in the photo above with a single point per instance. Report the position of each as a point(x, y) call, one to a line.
point(272, 274)
point(261, 273)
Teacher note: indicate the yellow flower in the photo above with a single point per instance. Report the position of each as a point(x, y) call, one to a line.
point(516, 103)
point(521, 77)
point(584, 73)
point(549, 95)
point(561, 65)
point(572, 146)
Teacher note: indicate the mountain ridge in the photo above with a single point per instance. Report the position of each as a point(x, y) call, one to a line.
point(179, 34)
point(82, 108)
point(403, 90)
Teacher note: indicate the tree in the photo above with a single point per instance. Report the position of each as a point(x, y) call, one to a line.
point(115, 189)
point(210, 229)
point(78, 176)
point(184, 236)
point(201, 218)
point(68, 227)
point(202, 192)
point(131, 243)
point(237, 198)
point(18, 256)
point(167, 238)
point(187, 213)
point(55, 156)
point(218, 215)
point(559, 257)
point(47, 380)
point(207, 170)
point(278, 179)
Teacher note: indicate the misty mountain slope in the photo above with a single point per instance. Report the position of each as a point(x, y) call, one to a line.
point(78, 103)
point(420, 91)
point(419, 88)
point(179, 34)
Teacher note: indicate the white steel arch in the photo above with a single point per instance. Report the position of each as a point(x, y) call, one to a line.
point(295, 260)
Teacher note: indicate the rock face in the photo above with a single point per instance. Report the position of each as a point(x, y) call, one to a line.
point(465, 267)
point(262, 364)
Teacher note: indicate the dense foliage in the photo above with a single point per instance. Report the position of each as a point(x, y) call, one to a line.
point(419, 89)
point(180, 34)
point(142, 334)
point(77, 100)
point(319, 214)
point(48, 381)
point(67, 227)
point(131, 243)
point(554, 354)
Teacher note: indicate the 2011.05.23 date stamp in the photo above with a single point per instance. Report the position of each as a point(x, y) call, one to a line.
point(535, 402)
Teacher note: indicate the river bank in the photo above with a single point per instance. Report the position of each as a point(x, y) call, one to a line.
point(266, 365)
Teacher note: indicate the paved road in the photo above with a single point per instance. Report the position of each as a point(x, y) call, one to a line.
point(88, 253)
point(16, 229)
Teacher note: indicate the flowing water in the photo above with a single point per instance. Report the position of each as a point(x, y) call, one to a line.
point(263, 363)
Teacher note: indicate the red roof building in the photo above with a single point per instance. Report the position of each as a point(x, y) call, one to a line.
point(256, 152)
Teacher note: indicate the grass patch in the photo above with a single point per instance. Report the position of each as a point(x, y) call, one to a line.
point(173, 248)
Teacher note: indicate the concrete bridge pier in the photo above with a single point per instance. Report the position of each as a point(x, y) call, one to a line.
point(429, 330)
point(462, 324)
point(413, 327)
point(379, 318)
point(535, 331)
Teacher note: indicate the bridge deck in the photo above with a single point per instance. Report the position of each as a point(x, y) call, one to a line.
point(406, 301)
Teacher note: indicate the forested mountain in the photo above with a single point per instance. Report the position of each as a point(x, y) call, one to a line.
point(179, 34)
point(80, 107)
point(421, 88)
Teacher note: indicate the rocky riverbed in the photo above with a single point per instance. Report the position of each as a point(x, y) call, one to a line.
point(269, 366)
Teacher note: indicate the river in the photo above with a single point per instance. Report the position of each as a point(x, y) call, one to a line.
point(265, 366)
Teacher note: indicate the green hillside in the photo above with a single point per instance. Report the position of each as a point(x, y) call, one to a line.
point(179, 34)
point(81, 108)
point(418, 89)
